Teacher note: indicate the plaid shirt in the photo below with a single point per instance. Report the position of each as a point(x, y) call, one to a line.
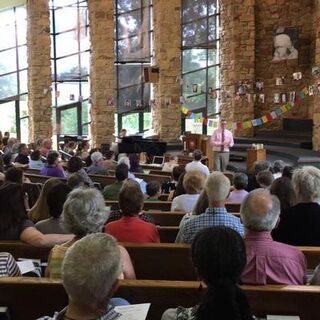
point(211, 218)
point(109, 315)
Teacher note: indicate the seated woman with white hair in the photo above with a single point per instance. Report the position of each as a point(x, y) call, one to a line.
point(84, 212)
point(124, 159)
point(300, 225)
point(90, 285)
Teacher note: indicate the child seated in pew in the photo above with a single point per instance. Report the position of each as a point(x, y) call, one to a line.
point(240, 183)
point(153, 191)
point(219, 256)
point(130, 228)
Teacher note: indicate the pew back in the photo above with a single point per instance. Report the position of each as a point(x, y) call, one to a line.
point(30, 298)
point(159, 261)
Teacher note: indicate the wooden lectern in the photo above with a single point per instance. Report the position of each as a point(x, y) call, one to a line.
point(255, 155)
point(202, 142)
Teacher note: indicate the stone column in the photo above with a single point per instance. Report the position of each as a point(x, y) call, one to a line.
point(237, 56)
point(167, 42)
point(39, 72)
point(316, 105)
point(102, 73)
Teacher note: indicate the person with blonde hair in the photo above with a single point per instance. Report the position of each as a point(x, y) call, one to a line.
point(193, 183)
point(40, 210)
point(300, 225)
point(217, 189)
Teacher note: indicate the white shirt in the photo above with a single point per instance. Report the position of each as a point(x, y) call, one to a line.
point(184, 202)
point(197, 166)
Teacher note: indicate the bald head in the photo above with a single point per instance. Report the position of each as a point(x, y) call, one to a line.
point(260, 210)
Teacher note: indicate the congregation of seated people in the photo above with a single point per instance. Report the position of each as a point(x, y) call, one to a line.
point(279, 210)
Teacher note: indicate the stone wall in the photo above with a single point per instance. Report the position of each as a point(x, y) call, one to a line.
point(39, 73)
point(270, 15)
point(167, 33)
point(102, 75)
point(247, 29)
point(316, 110)
point(237, 58)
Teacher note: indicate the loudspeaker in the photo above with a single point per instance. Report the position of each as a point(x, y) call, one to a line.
point(151, 74)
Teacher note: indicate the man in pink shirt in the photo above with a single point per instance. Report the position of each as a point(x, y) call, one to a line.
point(221, 142)
point(268, 261)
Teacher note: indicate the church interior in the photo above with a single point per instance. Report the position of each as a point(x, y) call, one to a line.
point(183, 135)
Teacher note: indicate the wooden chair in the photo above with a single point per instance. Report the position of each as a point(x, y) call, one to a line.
point(30, 298)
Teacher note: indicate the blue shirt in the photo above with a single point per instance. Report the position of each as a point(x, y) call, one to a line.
point(212, 217)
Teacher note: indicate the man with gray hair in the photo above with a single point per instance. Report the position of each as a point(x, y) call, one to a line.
point(90, 285)
point(300, 224)
point(268, 262)
point(217, 188)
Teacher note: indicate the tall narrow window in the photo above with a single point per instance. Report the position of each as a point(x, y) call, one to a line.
point(200, 62)
point(70, 61)
point(13, 72)
point(133, 52)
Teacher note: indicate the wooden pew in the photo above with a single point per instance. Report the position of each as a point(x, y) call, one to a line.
point(106, 180)
point(168, 234)
point(36, 178)
point(170, 218)
point(153, 177)
point(161, 261)
point(30, 298)
point(148, 205)
point(166, 206)
point(103, 179)
point(31, 171)
point(160, 173)
point(166, 218)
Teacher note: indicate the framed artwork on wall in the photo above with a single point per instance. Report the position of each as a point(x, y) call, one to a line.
point(285, 43)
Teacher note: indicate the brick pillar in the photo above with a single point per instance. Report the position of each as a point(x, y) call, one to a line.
point(316, 105)
point(237, 56)
point(102, 70)
point(167, 42)
point(39, 73)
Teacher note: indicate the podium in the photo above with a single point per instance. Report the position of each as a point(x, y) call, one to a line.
point(202, 142)
point(255, 155)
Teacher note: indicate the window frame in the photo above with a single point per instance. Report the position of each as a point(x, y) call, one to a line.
point(208, 45)
point(139, 62)
point(19, 96)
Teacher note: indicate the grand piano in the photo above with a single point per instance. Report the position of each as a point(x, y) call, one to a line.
point(138, 144)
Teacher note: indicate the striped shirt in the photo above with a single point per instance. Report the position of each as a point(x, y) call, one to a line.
point(8, 266)
point(110, 314)
point(212, 217)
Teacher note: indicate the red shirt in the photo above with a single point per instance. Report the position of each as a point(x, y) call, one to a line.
point(133, 229)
